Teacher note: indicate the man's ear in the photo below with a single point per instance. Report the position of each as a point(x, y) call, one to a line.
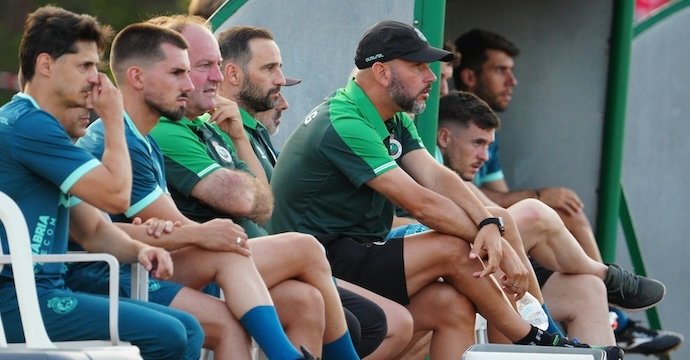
point(44, 64)
point(233, 74)
point(443, 135)
point(382, 73)
point(469, 78)
point(135, 77)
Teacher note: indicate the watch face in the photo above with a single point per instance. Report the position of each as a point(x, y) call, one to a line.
point(500, 221)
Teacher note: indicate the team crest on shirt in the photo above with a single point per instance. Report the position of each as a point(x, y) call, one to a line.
point(222, 151)
point(154, 285)
point(62, 305)
point(394, 148)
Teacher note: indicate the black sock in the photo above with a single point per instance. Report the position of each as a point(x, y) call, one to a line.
point(543, 338)
point(533, 337)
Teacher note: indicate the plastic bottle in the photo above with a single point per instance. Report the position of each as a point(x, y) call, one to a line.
point(530, 309)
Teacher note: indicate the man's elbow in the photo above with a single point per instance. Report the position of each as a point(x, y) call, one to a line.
point(115, 204)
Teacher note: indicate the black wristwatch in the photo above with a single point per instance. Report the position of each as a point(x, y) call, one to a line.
point(494, 220)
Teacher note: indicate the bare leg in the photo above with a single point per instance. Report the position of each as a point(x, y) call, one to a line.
point(302, 327)
point(549, 243)
point(301, 258)
point(398, 319)
point(224, 334)
point(585, 319)
point(450, 316)
point(430, 255)
point(234, 273)
point(579, 226)
point(419, 347)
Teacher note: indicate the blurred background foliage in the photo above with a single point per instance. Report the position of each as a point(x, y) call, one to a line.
point(116, 13)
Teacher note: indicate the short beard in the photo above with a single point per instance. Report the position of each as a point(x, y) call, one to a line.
point(172, 114)
point(398, 92)
point(251, 99)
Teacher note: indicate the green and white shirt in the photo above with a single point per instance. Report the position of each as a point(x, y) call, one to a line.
point(319, 181)
point(192, 150)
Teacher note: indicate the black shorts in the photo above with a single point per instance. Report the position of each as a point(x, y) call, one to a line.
point(375, 266)
point(543, 274)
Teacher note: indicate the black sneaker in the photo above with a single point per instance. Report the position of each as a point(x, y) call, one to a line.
point(540, 337)
point(633, 292)
point(635, 338)
point(612, 352)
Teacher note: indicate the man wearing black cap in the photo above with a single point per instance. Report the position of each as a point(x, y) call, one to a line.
point(356, 155)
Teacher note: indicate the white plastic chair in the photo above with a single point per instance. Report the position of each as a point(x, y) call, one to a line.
point(36, 338)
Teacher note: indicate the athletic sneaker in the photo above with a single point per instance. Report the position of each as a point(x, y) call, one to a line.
point(633, 292)
point(543, 338)
point(635, 338)
point(612, 352)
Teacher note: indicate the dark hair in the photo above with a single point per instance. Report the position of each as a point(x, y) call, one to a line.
point(204, 8)
point(234, 43)
point(141, 41)
point(472, 47)
point(55, 31)
point(449, 46)
point(178, 22)
point(464, 108)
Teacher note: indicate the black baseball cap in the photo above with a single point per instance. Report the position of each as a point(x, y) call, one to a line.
point(390, 40)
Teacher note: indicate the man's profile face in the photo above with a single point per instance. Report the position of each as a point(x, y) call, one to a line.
point(167, 83)
point(263, 77)
point(496, 81)
point(73, 75)
point(465, 150)
point(410, 83)
point(206, 74)
point(75, 121)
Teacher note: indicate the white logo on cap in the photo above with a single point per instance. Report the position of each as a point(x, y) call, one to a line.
point(374, 57)
point(421, 36)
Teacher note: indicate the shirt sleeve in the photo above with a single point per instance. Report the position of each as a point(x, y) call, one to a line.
point(357, 151)
point(186, 158)
point(42, 145)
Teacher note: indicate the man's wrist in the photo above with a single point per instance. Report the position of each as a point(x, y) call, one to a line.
point(498, 221)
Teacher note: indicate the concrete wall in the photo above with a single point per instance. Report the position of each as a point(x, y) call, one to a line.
point(317, 40)
point(551, 133)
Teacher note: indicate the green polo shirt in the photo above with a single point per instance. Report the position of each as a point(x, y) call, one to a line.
point(319, 181)
point(193, 149)
point(261, 142)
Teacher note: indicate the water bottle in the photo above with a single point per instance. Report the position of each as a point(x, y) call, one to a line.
point(530, 309)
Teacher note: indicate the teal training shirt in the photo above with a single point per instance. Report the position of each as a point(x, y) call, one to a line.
point(319, 181)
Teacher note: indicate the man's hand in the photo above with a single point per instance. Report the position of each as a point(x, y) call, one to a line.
point(105, 99)
point(516, 277)
point(157, 227)
point(156, 261)
point(227, 116)
point(488, 241)
point(562, 199)
point(224, 235)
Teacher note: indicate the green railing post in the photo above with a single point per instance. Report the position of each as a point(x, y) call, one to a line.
point(612, 149)
point(429, 17)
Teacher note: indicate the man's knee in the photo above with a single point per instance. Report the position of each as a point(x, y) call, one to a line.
point(294, 295)
point(310, 249)
point(452, 308)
